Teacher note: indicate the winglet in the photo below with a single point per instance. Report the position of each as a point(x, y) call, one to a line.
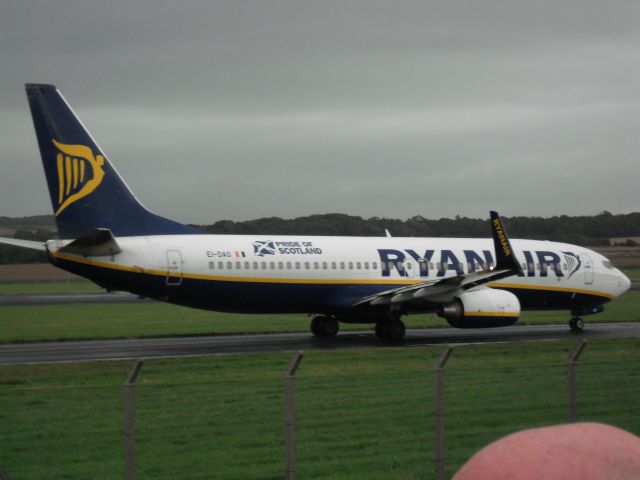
point(505, 256)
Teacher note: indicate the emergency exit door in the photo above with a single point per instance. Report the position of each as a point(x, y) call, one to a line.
point(588, 268)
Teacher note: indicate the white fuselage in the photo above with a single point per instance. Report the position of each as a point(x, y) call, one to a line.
point(351, 266)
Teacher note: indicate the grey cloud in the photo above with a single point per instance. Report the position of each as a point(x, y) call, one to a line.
point(243, 109)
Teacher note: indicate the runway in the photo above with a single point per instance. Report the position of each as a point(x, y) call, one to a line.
point(70, 298)
point(48, 352)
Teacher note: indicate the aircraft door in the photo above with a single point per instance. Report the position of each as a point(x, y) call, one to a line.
point(588, 268)
point(174, 268)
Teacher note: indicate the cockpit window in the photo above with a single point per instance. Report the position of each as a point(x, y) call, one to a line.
point(608, 264)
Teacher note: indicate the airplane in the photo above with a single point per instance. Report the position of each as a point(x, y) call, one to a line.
point(107, 236)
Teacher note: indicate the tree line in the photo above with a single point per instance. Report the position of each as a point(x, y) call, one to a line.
point(581, 230)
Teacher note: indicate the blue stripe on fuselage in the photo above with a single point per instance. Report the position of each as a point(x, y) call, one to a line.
point(260, 297)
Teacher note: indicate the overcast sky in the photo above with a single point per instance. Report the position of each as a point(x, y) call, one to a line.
point(243, 109)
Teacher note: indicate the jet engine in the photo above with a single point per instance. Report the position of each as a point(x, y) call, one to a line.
point(482, 308)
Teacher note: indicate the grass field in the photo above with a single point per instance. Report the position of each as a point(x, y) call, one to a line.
point(49, 288)
point(74, 322)
point(364, 414)
point(633, 274)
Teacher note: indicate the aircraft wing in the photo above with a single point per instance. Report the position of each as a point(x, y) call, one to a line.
point(445, 289)
point(16, 242)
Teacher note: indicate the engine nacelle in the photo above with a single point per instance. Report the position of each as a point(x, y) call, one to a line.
point(482, 308)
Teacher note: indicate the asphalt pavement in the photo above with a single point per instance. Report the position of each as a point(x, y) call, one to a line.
point(46, 352)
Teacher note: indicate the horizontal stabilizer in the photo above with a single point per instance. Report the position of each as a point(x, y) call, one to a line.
point(16, 242)
point(99, 243)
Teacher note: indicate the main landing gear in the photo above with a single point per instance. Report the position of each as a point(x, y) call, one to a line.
point(576, 324)
point(388, 328)
point(392, 330)
point(324, 326)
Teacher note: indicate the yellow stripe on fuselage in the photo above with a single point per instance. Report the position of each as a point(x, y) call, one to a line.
point(309, 281)
point(197, 276)
point(550, 289)
point(491, 314)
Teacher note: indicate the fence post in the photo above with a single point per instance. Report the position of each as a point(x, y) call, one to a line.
point(289, 417)
point(573, 384)
point(129, 412)
point(4, 475)
point(439, 413)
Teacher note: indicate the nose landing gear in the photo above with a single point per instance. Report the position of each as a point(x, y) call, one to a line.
point(576, 324)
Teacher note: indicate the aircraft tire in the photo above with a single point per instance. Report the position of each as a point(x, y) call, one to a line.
point(381, 330)
point(331, 327)
point(317, 325)
point(396, 330)
point(576, 324)
point(324, 326)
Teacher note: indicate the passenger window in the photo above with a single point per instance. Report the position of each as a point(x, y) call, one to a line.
point(358, 265)
point(408, 265)
point(350, 265)
point(316, 266)
point(288, 265)
point(238, 265)
point(255, 265)
point(564, 265)
point(341, 265)
point(324, 265)
point(264, 265)
point(374, 266)
point(280, 265)
point(333, 265)
point(211, 265)
point(366, 265)
point(272, 265)
point(306, 265)
point(220, 265)
point(246, 265)
point(229, 265)
point(431, 265)
point(297, 265)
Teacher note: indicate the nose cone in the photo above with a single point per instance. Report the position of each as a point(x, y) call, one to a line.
point(623, 283)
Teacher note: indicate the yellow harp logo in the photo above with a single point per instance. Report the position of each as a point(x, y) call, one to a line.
point(79, 173)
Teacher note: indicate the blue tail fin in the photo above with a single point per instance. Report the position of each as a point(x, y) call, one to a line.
point(86, 191)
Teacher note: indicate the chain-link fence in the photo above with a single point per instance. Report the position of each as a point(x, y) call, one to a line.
point(385, 413)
